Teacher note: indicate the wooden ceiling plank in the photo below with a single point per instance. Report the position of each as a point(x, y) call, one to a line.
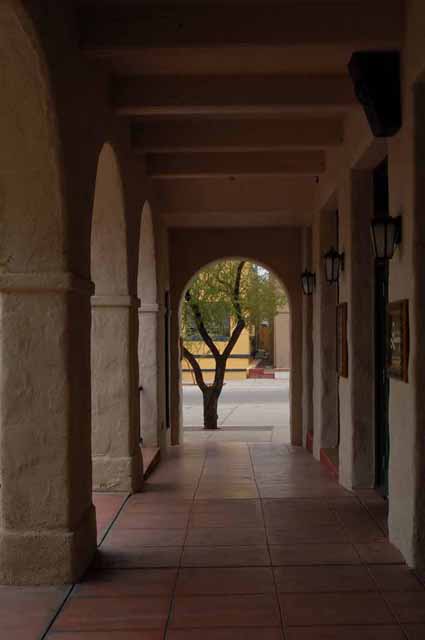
point(235, 135)
point(201, 165)
point(118, 26)
point(234, 95)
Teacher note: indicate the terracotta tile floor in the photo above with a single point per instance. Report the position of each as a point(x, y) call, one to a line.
point(232, 541)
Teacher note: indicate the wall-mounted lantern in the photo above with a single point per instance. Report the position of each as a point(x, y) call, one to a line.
point(386, 235)
point(308, 282)
point(334, 264)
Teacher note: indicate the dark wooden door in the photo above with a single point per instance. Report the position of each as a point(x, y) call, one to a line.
point(382, 438)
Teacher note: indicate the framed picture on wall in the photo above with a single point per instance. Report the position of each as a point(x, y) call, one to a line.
point(341, 340)
point(398, 340)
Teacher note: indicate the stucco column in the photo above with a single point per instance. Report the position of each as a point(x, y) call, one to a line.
point(324, 331)
point(117, 460)
point(176, 399)
point(47, 520)
point(148, 373)
point(308, 301)
point(356, 457)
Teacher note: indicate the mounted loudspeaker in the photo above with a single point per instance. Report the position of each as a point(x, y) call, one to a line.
point(376, 78)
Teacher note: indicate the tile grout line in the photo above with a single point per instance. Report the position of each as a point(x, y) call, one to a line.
point(367, 565)
point(387, 604)
point(179, 567)
point(375, 520)
point(276, 593)
point(72, 587)
point(114, 519)
point(58, 612)
point(362, 563)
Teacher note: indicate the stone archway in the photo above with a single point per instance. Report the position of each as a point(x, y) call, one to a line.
point(280, 251)
point(148, 327)
point(117, 461)
point(47, 524)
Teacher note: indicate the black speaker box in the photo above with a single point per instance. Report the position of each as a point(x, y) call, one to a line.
point(376, 78)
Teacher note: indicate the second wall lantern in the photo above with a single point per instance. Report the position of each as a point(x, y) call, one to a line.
point(308, 282)
point(334, 264)
point(386, 235)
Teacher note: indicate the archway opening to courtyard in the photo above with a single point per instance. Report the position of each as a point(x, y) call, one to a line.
point(235, 354)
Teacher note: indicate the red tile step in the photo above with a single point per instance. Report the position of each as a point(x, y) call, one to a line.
point(330, 459)
point(309, 441)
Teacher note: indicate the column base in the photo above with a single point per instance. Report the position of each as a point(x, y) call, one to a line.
point(118, 474)
point(47, 557)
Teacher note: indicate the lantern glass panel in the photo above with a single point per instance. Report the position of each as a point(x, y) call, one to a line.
point(384, 236)
point(332, 265)
point(307, 282)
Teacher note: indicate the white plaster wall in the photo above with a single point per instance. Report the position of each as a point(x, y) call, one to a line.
point(147, 279)
point(116, 454)
point(282, 340)
point(324, 318)
point(308, 354)
point(110, 386)
point(47, 522)
point(32, 216)
point(406, 174)
point(357, 289)
point(148, 371)
point(148, 333)
point(404, 465)
point(109, 240)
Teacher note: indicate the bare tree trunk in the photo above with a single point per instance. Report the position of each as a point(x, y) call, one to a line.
point(210, 408)
point(212, 393)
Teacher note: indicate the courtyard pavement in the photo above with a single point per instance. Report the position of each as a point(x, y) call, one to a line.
point(253, 411)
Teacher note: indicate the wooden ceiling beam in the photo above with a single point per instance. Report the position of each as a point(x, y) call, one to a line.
point(237, 135)
point(241, 195)
point(231, 95)
point(202, 165)
point(116, 26)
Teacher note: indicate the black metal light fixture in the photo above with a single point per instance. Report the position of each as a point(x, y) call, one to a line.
point(334, 264)
point(386, 235)
point(308, 282)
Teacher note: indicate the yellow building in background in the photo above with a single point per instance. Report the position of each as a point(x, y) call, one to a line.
point(237, 365)
point(274, 341)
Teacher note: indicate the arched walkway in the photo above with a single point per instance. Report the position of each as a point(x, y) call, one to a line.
point(148, 326)
point(117, 461)
point(47, 524)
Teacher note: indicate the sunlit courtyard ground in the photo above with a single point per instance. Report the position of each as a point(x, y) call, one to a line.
point(249, 411)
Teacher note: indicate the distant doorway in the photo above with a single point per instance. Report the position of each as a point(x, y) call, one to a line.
point(382, 434)
point(235, 343)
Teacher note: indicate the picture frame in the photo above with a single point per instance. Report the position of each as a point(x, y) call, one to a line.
point(341, 340)
point(398, 340)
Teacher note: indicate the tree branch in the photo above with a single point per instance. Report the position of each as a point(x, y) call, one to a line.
point(234, 338)
point(200, 325)
point(237, 290)
point(240, 326)
point(196, 369)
